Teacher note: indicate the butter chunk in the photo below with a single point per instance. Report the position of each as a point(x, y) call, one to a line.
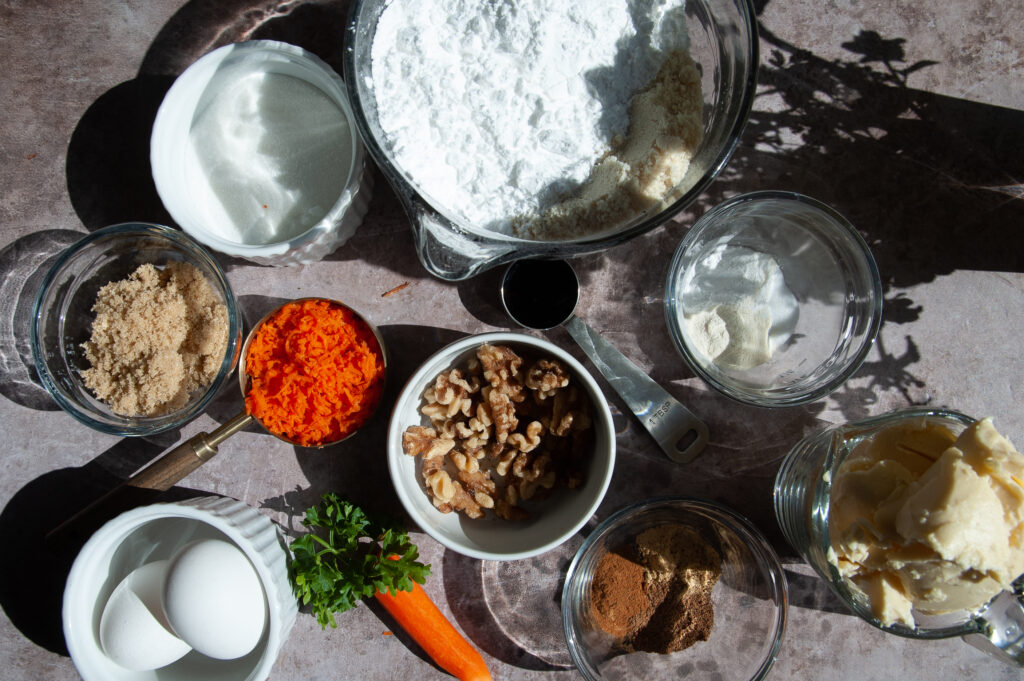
point(924, 520)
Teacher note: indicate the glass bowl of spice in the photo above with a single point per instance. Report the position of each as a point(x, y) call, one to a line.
point(773, 298)
point(135, 329)
point(674, 587)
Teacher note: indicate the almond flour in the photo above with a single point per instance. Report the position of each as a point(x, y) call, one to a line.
point(158, 336)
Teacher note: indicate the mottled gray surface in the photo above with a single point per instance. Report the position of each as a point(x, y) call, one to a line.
point(906, 116)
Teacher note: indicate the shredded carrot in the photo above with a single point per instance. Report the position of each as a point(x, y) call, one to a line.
point(394, 290)
point(428, 626)
point(317, 372)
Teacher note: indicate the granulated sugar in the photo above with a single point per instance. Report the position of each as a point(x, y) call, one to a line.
point(271, 157)
point(503, 111)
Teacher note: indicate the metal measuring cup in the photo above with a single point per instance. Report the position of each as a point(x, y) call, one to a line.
point(162, 473)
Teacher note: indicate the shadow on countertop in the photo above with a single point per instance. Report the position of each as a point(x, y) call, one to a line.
point(932, 182)
point(35, 568)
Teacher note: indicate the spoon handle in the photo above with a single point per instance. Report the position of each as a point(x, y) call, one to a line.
point(680, 434)
point(163, 473)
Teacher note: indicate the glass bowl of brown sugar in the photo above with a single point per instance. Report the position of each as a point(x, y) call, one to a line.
point(135, 329)
point(674, 587)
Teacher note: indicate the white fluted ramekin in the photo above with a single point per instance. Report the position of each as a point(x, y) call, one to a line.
point(156, 532)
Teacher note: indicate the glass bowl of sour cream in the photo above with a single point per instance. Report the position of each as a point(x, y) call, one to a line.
point(773, 298)
point(546, 130)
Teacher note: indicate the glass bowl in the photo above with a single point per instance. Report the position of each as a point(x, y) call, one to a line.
point(749, 600)
point(826, 266)
point(723, 42)
point(62, 319)
point(803, 502)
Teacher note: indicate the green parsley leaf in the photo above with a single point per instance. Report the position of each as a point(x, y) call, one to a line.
point(346, 557)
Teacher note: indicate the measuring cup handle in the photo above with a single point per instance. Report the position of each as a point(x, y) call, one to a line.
point(1001, 626)
point(158, 476)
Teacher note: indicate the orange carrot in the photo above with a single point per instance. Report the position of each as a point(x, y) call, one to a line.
point(417, 614)
point(317, 372)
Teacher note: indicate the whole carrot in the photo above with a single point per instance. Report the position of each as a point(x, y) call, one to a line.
point(427, 625)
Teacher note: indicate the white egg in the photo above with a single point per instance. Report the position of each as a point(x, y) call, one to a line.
point(134, 632)
point(214, 600)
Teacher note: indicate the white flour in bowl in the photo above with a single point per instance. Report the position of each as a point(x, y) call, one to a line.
point(516, 116)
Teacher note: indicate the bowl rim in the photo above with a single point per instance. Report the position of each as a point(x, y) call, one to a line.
point(245, 382)
point(164, 132)
point(874, 284)
point(430, 368)
point(752, 536)
point(216, 511)
point(589, 244)
point(139, 426)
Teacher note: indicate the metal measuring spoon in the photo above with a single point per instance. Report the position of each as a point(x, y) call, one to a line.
point(542, 294)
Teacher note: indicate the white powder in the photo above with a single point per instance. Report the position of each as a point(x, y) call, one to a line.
point(273, 154)
point(737, 308)
point(499, 108)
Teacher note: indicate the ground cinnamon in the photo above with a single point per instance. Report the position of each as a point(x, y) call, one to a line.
point(654, 594)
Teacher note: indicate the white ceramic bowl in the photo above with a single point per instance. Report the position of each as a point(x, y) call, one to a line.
point(490, 538)
point(203, 208)
point(156, 532)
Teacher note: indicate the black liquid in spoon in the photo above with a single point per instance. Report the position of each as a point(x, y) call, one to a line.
point(540, 294)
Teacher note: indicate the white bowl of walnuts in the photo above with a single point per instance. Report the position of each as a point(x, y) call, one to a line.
point(501, 446)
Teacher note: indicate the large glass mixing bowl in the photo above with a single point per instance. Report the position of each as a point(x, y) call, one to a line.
point(723, 42)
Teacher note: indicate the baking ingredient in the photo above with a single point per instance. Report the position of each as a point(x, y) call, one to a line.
point(134, 632)
point(214, 600)
point(350, 555)
point(269, 156)
point(540, 294)
point(504, 114)
point(158, 336)
point(503, 429)
point(737, 310)
point(317, 372)
point(923, 519)
point(654, 594)
point(643, 169)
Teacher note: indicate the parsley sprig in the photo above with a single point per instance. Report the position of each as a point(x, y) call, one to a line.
point(350, 555)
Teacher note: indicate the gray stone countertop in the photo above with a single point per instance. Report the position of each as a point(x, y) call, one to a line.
point(907, 117)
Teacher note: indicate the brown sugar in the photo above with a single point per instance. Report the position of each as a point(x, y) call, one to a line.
point(655, 596)
point(158, 336)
